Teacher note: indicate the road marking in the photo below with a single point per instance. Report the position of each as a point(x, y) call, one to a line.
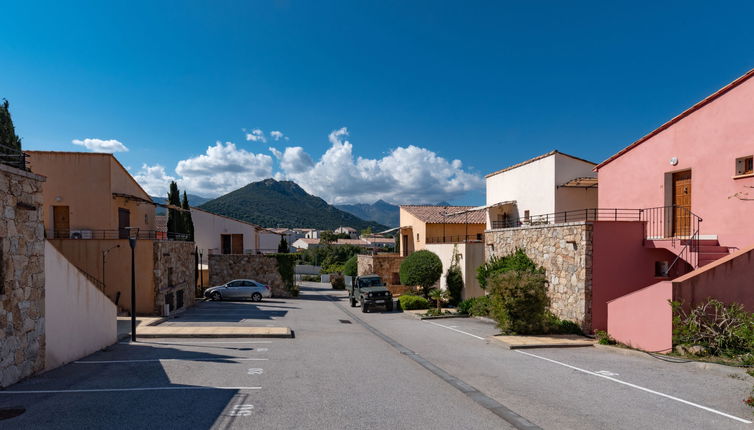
point(193, 343)
point(455, 329)
point(255, 371)
point(261, 349)
point(153, 360)
point(241, 410)
point(107, 390)
point(667, 396)
point(606, 373)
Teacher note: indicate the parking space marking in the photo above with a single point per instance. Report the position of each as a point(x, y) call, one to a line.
point(454, 329)
point(241, 410)
point(194, 343)
point(154, 360)
point(115, 390)
point(255, 371)
point(667, 396)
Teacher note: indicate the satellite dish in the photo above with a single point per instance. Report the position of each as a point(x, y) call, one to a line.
point(673, 161)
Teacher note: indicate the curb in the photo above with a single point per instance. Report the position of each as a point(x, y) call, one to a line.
point(288, 335)
point(507, 345)
point(440, 317)
point(717, 368)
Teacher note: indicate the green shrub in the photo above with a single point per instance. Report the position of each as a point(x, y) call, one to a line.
point(518, 261)
point(519, 301)
point(337, 281)
point(604, 338)
point(475, 306)
point(351, 266)
point(311, 278)
point(287, 270)
point(439, 297)
point(331, 268)
point(409, 302)
point(422, 268)
point(454, 278)
point(723, 330)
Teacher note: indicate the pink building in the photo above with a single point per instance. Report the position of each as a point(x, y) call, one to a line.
point(693, 178)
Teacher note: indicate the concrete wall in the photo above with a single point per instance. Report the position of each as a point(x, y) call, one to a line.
point(565, 251)
point(22, 276)
point(268, 241)
point(79, 318)
point(568, 199)
point(707, 141)
point(209, 227)
point(225, 268)
point(532, 186)
point(472, 256)
point(643, 319)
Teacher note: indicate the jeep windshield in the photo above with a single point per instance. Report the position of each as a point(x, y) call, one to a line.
point(370, 282)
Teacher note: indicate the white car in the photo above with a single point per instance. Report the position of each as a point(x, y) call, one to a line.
point(239, 289)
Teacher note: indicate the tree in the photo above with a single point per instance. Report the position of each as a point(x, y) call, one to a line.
point(439, 296)
point(454, 278)
point(519, 301)
point(10, 144)
point(175, 218)
point(283, 245)
point(351, 266)
point(422, 268)
point(367, 231)
point(330, 237)
point(188, 223)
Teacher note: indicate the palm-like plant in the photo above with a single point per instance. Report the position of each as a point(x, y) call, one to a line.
point(439, 296)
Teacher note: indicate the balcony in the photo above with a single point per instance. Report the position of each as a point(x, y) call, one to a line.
point(469, 238)
point(87, 234)
point(580, 215)
point(13, 157)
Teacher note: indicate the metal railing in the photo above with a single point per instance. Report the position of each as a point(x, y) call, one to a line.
point(93, 279)
point(479, 237)
point(678, 225)
point(579, 215)
point(87, 234)
point(13, 157)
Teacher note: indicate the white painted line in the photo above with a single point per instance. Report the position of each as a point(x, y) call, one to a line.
point(667, 396)
point(108, 390)
point(454, 329)
point(153, 360)
point(193, 343)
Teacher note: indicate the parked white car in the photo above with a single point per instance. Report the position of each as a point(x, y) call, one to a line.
point(239, 289)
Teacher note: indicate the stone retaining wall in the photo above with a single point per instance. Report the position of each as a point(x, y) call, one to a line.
point(387, 266)
point(225, 268)
point(22, 281)
point(174, 273)
point(565, 251)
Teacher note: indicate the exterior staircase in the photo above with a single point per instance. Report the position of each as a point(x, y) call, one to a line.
point(710, 250)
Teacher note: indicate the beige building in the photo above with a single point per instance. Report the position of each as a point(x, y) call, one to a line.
point(90, 206)
point(423, 224)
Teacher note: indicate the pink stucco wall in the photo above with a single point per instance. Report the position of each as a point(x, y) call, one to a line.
point(729, 279)
point(621, 264)
point(707, 141)
point(644, 318)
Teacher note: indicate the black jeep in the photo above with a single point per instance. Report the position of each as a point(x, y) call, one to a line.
point(369, 291)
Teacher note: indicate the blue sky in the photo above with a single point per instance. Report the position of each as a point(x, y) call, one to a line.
point(417, 85)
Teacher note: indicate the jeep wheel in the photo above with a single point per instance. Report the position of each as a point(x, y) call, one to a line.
point(353, 302)
point(364, 307)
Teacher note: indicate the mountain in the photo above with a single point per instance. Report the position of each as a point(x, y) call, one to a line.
point(379, 211)
point(194, 200)
point(272, 203)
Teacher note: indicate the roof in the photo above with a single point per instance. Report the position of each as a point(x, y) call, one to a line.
point(709, 99)
point(586, 182)
point(439, 214)
point(193, 208)
point(351, 229)
point(307, 240)
point(357, 242)
point(537, 158)
point(379, 239)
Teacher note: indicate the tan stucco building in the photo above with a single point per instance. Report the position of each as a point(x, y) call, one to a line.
point(422, 224)
point(89, 203)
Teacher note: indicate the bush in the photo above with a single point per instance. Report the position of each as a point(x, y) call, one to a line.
point(722, 330)
point(351, 266)
point(422, 268)
point(409, 302)
point(287, 270)
point(475, 306)
point(604, 338)
point(518, 261)
point(337, 281)
point(454, 279)
point(519, 301)
point(331, 268)
point(311, 278)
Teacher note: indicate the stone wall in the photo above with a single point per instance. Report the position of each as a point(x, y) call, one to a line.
point(225, 268)
point(565, 251)
point(387, 266)
point(174, 274)
point(22, 282)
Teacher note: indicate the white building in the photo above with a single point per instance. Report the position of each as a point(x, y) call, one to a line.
point(218, 234)
point(352, 232)
point(305, 243)
point(529, 191)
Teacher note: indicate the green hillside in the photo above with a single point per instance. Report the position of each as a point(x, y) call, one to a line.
point(272, 203)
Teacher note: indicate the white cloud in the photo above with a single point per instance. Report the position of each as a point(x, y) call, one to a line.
point(154, 180)
point(256, 135)
point(277, 135)
point(406, 175)
point(100, 145)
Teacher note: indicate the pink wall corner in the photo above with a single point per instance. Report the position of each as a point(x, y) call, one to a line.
point(729, 279)
point(644, 318)
point(621, 264)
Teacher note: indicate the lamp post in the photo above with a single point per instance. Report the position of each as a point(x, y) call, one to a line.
point(133, 234)
point(104, 255)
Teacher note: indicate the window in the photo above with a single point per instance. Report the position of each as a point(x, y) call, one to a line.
point(745, 165)
point(526, 215)
point(661, 269)
point(417, 237)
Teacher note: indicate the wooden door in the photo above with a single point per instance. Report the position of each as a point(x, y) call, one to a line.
point(682, 203)
point(225, 247)
point(124, 221)
point(61, 221)
point(237, 243)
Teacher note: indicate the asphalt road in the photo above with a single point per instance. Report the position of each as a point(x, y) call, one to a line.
point(392, 371)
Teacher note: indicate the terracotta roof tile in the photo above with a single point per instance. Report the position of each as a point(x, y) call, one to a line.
point(436, 214)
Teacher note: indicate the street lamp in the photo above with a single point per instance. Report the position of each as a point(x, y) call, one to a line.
point(133, 234)
point(104, 254)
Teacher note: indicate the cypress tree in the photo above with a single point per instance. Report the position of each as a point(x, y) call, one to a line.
point(283, 245)
point(175, 220)
point(10, 143)
point(188, 223)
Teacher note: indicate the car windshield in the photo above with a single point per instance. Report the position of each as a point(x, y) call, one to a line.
point(370, 282)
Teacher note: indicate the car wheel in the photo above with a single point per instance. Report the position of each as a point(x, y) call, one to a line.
point(256, 297)
point(364, 307)
point(353, 302)
point(216, 296)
